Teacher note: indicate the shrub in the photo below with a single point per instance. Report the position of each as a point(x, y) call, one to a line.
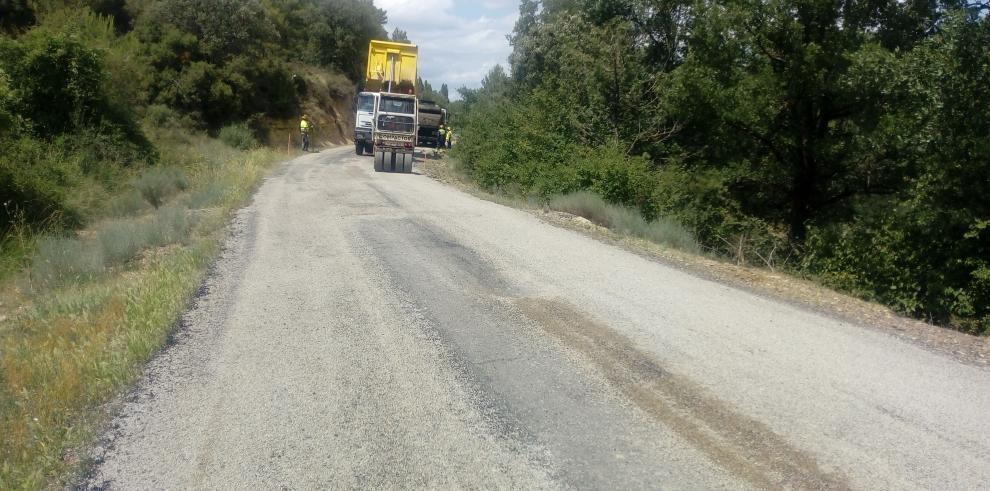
point(58, 82)
point(35, 181)
point(238, 136)
point(209, 195)
point(129, 203)
point(62, 135)
point(626, 220)
point(157, 184)
point(59, 260)
point(894, 258)
point(8, 123)
point(160, 115)
point(15, 15)
point(17, 243)
point(664, 230)
point(617, 177)
point(121, 241)
point(170, 225)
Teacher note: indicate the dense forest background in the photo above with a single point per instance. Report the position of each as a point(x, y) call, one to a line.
point(85, 85)
point(847, 141)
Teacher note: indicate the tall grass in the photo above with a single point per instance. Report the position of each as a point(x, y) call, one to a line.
point(626, 220)
point(157, 184)
point(16, 245)
point(129, 202)
point(94, 314)
point(75, 349)
point(61, 260)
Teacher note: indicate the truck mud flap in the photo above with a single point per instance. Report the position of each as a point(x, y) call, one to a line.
point(379, 161)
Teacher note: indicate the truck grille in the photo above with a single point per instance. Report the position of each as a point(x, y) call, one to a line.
point(403, 124)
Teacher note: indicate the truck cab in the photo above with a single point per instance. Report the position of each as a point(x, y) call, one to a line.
point(364, 122)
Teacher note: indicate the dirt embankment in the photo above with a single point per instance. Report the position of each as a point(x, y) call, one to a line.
point(327, 98)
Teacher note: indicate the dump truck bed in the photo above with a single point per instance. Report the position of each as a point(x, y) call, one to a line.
point(430, 114)
point(391, 67)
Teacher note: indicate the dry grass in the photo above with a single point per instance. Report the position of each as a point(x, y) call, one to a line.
point(626, 220)
point(158, 184)
point(76, 340)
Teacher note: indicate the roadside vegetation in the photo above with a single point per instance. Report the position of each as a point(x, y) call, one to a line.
point(840, 141)
point(625, 220)
point(129, 133)
point(94, 305)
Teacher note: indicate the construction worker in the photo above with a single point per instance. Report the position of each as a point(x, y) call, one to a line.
point(304, 128)
point(449, 136)
point(441, 136)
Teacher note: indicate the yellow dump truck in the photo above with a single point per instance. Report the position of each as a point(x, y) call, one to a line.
point(391, 83)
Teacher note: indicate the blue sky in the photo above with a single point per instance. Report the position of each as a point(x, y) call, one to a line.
point(459, 41)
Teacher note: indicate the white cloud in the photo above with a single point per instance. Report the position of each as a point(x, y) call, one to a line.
point(456, 49)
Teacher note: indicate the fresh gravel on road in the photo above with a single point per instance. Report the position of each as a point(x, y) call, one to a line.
point(367, 330)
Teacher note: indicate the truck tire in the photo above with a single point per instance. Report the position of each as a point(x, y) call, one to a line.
point(379, 161)
point(359, 148)
point(394, 162)
point(407, 163)
point(369, 148)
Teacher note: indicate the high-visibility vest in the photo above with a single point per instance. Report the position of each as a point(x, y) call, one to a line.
point(304, 126)
point(450, 133)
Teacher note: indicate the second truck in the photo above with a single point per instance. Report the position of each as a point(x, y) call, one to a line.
point(387, 116)
point(431, 116)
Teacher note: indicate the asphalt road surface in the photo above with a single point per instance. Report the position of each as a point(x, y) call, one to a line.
point(367, 330)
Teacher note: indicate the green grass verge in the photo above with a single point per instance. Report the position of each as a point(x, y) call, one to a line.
point(94, 307)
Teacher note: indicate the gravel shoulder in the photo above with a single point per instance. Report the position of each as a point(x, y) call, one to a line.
point(385, 330)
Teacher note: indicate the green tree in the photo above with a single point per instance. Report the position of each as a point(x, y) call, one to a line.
point(769, 84)
point(926, 250)
point(15, 15)
point(426, 92)
point(223, 28)
point(400, 36)
point(8, 121)
point(335, 33)
point(56, 83)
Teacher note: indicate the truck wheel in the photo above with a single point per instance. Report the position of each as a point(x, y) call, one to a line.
point(369, 148)
point(379, 161)
point(359, 148)
point(394, 164)
point(407, 163)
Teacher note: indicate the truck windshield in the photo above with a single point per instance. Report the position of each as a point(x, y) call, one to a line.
point(366, 103)
point(397, 105)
